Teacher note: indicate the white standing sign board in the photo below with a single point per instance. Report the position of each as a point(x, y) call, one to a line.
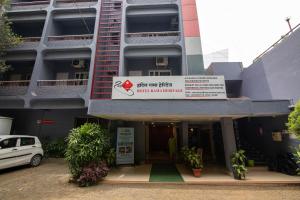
point(169, 87)
point(125, 146)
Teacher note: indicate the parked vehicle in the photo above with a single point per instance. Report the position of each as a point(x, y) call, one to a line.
point(18, 150)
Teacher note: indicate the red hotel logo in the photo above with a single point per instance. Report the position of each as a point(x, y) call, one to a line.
point(127, 85)
point(121, 86)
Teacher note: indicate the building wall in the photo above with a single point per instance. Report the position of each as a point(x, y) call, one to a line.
point(56, 50)
point(139, 140)
point(192, 39)
point(276, 74)
point(255, 84)
point(230, 70)
point(249, 129)
point(25, 122)
point(155, 48)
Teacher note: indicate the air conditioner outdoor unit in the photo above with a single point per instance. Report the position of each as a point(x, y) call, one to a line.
point(78, 64)
point(162, 61)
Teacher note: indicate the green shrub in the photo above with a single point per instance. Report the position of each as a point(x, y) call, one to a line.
point(92, 173)
point(195, 160)
point(86, 144)
point(110, 157)
point(297, 158)
point(56, 149)
point(192, 158)
point(238, 162)
point(294, 121)
point(185, 151)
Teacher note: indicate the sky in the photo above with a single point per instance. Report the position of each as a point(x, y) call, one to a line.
point(245, 27)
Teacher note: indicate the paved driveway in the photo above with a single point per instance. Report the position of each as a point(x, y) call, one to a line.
point(50, 182)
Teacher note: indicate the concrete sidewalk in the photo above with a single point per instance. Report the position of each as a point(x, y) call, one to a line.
point(50, 182)
point(211, 175)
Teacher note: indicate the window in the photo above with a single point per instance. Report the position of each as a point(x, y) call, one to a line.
point(160, 73)
point(27, 141)
point(8, 143)
point(135, 73)
point(81, 75)
point(62, 76)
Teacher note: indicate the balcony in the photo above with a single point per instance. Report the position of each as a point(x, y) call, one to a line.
point(30, 32)
point(153, 29)
point(27, 16)
point(16, 80)
point(152, 9)
point(70, 40)
point(171, 37)
point(150, 1)
point(20, 56)
point(13, 88)
point(66, 88)
point(29, 5)
point(72, 3)
point(71, 31)
point(153, 66)
point(63, 78)
point(28, 43)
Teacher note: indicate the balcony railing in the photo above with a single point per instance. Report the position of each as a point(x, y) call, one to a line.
point(70, 37)
point(31, 39)
point(20, 83)
point(150, 1)
point(29, 5)
point(28, 43)
point(153, 37)
point(13, 88)
point(70, 88)
point(75, 1)
point(67, 82)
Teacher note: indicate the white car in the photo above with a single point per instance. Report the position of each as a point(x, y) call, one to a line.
point(18, 150)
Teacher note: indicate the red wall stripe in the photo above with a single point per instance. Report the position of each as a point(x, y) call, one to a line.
point(190, 18)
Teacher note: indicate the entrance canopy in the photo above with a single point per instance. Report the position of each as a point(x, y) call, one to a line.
point(185, 110)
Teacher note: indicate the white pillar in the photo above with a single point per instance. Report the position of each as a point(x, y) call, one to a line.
point(228, 139)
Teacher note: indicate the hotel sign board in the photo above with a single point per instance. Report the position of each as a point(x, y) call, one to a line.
point(169, 87)
point(125, 146)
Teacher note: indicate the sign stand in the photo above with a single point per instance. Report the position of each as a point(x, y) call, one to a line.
point(125, 146)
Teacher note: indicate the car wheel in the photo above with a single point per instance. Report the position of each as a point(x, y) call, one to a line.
point(36, 160)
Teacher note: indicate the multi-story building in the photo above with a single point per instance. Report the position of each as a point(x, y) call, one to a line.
point(62, 76)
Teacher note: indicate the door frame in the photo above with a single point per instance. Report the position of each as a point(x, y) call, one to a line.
point(147, 138)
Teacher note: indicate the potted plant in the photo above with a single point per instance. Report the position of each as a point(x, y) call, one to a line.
point(185, 152)
point(238, 162)
point(195, 161)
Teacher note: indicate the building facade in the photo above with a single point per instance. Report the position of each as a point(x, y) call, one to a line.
point(62, 76)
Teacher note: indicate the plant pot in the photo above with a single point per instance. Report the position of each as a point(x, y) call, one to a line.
point(251, 163)
point(237, 176)
point(197, 172)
